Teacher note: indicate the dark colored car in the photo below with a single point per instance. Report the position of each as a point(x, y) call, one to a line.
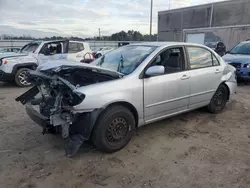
point(218, 47)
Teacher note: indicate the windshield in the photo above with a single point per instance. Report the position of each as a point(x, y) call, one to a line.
point(242, 48)
point(31, 47)
point(124, 59)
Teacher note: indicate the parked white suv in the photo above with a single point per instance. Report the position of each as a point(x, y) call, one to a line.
point(13, 67)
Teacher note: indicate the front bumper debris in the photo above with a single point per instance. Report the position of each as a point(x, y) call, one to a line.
point(79, 131)
point(36, 116)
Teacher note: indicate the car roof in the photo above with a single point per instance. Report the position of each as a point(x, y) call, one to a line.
point(165, 44)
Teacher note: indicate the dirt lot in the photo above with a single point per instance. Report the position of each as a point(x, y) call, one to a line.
point(197, 149)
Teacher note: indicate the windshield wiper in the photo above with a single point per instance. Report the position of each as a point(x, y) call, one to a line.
point(120, 65)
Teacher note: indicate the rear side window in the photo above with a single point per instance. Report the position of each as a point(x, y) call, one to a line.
point(75, 47)
point(199, 57)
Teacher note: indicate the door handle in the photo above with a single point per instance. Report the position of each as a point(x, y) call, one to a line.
point(217, 71)
point(185, 77)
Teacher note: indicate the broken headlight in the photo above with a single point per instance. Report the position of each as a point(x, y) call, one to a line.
point(73, 98)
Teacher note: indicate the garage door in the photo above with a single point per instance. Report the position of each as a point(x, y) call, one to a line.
point(196, 38)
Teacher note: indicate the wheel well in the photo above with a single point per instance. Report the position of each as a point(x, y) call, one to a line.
point(29, 66)
point(228, 90)
point(130, 107)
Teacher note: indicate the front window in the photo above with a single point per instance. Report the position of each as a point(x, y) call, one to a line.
point(31, 47)
point(242, 48)
point(125, 59)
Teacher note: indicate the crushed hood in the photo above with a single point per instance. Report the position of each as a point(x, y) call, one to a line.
point(57, 65)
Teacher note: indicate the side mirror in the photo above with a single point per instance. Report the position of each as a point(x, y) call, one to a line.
point(227, 52)
point(155, 70)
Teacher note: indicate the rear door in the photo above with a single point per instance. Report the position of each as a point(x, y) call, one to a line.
point(205, 75)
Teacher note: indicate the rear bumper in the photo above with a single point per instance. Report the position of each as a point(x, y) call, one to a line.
point(36, 116)
point(6, 76)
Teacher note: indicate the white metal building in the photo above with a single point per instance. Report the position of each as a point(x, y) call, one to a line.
point(226, 21)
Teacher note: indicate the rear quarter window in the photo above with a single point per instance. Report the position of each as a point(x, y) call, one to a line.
point(75, 47)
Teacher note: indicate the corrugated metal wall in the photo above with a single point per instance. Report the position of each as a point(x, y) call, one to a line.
point(229, 13)
point(229, 36)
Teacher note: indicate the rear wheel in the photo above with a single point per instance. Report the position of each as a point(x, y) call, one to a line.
point(219, 100)
point(20, 77)
point(114, 129)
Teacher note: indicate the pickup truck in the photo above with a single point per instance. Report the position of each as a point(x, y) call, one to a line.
point(14, 66)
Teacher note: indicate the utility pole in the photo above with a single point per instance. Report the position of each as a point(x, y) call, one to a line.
point(99, 34)
point(151, 11)
point(169, 4)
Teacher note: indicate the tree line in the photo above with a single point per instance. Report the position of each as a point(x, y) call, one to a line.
point(130, 35)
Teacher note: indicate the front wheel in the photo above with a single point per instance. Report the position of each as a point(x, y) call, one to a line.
point(21, 77)
point(219, 100)
point(114, 129)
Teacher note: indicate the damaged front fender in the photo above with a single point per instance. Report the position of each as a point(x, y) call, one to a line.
point(51, 102)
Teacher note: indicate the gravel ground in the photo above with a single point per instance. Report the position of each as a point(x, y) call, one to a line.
point(192, 150)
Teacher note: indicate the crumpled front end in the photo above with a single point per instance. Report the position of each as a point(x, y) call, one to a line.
point(50, 104)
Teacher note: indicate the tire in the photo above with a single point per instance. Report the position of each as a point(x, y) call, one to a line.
point(113, 129)
point(20, 77)
point(219, 100)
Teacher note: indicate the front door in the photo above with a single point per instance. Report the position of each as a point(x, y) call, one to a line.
point(205, 76)
point(167, 94)
point(53, 51)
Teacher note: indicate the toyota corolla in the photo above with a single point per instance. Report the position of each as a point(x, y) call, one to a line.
point(131, 86)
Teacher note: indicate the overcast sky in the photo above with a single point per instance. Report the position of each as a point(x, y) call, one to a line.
point(81, 17)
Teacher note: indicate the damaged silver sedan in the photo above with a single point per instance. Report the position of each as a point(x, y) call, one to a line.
point(134, 85)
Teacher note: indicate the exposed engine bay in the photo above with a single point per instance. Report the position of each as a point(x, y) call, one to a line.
point(50, 102)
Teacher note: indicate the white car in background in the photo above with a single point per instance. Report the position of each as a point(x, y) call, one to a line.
point(14, 66)
point(102, 51)
point(9, 50)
